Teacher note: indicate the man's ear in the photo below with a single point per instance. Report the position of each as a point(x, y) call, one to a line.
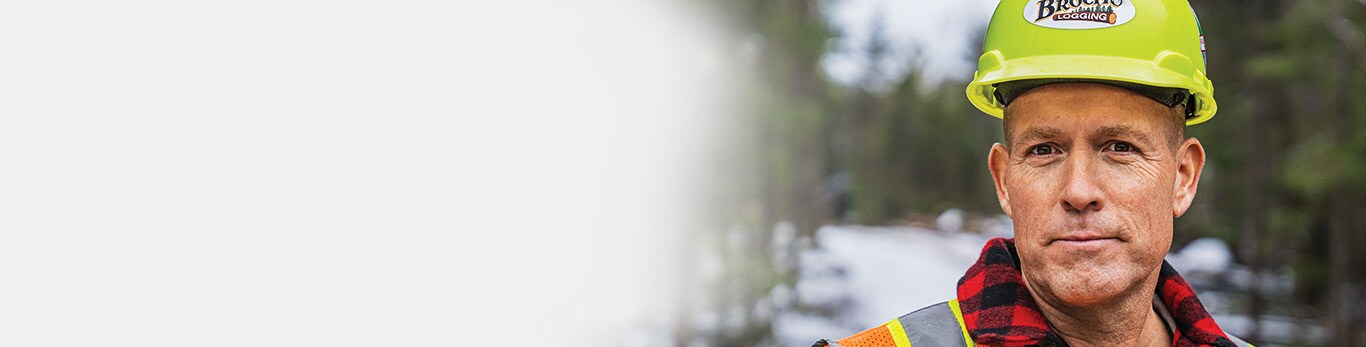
point(997, 160)
point(1190, 160)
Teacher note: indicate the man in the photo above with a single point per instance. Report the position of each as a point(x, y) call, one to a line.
point(1095, 96)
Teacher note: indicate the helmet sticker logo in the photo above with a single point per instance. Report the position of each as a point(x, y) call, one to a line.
point(1079, 14)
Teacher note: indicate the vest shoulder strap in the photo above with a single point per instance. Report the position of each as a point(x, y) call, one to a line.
point(1238, 341)
point(939, 325)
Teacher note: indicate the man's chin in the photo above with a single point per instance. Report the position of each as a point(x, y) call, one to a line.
point(1088, 296)
point(1085, 286)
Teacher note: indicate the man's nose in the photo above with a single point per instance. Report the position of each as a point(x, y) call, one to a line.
point(1080, 193)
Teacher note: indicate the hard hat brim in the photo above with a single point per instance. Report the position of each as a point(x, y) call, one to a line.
point(1166, 71)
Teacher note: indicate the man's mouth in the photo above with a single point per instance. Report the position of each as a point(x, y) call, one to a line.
point(1083, 237)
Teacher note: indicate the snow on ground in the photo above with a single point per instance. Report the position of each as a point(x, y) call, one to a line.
point(869, 275)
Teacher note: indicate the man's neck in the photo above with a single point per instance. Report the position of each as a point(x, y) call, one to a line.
point(1128, 321)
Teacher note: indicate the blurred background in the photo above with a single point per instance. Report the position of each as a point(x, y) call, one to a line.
point(601, 172)
point(857, 190)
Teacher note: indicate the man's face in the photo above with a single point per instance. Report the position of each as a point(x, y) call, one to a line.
point(1093, 179)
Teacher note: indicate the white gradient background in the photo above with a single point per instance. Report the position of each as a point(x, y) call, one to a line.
point(325, 173)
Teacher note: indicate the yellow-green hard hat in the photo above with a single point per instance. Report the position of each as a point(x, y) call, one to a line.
point(1150, 46)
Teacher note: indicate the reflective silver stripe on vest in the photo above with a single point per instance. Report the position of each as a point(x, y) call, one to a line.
point(933, 326)
point(1238, 341)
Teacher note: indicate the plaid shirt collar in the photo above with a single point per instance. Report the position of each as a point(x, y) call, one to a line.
point(998, 310)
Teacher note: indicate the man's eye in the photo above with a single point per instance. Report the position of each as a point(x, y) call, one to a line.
point(1042, 150)
point(1118, 146)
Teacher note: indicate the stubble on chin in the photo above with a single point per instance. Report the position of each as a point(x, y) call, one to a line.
point(1084, 281)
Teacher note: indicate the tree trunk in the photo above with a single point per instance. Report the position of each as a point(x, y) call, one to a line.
point(1257, 177)
point(1341, 294)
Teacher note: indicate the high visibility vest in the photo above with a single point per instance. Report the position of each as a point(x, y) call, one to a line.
point(939, 325)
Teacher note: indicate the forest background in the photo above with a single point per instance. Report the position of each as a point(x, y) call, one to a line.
point(1285, 184)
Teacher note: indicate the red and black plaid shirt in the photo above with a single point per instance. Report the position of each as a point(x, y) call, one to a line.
point(998, 310)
